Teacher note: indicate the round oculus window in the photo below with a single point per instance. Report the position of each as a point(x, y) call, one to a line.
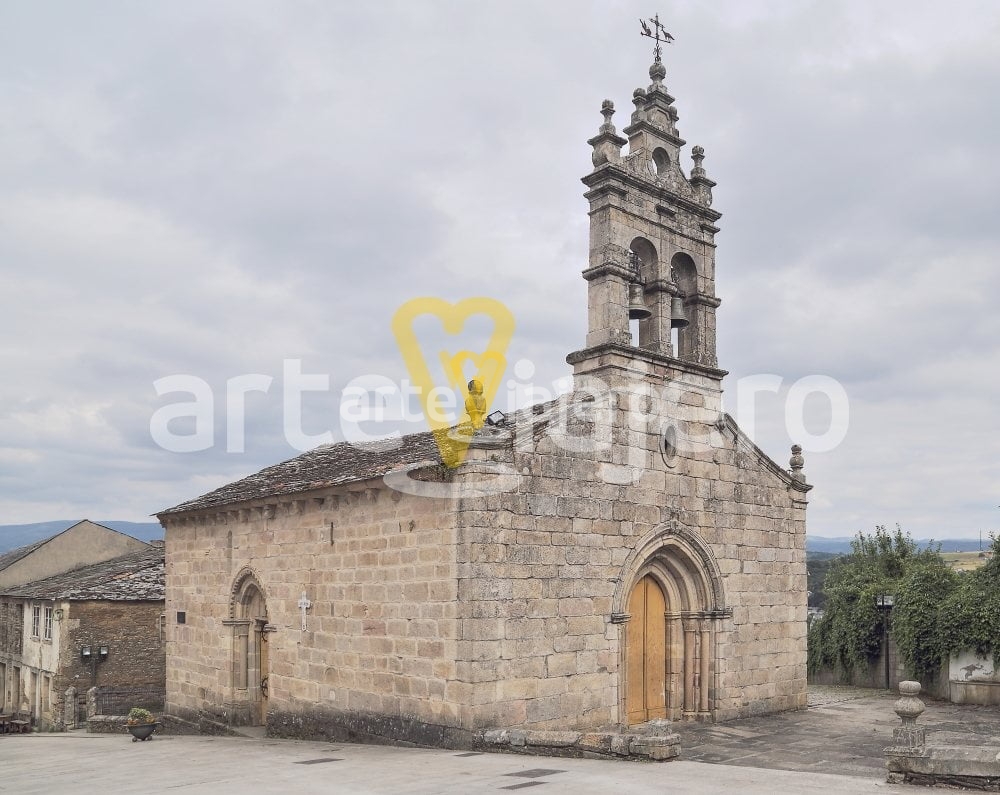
point(668, 445)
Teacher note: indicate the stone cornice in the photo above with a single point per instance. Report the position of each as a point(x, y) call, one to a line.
point(650, 357)
point(610, 176)
point(268, 508)
point(672, 229)
point(606, 136)
point(657, 132)
point(658, 94)
point(608, 269)
point(703, 300)
point(608, 189)
point(662, 286)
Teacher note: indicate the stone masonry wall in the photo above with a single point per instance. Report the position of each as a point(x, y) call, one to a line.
point(434, 619)
point(136, 648)
point(380, 635)
point(540, 567)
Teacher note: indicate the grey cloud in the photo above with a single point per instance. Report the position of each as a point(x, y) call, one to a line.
point(211, 189)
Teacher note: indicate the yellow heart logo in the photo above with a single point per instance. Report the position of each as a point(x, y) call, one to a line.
point(489, 365)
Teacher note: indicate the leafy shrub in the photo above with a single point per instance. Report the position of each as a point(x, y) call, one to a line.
point(919, 615)
point(936, 611)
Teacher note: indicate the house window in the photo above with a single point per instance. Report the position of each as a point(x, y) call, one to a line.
point(48, 624)
point(36, 620)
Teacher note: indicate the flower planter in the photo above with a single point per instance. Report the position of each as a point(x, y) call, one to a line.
point(141, 731)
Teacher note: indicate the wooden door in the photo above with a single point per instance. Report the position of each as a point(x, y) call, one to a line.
point(646, 653)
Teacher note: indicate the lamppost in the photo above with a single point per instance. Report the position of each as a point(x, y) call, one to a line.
point(884, 604)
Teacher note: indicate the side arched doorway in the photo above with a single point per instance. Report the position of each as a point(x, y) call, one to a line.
point(251, 667)
point(670, 600)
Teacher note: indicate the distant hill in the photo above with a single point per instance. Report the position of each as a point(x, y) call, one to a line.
point(842, 544)
point(19, 535)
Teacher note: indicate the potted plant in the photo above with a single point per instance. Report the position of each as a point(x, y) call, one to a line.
point(140, 723)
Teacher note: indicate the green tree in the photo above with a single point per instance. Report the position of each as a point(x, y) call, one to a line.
point(920, 616)
point(850, 632)
point(817, 567)
point(971, 613)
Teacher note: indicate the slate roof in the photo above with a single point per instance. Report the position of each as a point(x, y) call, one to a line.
point(329, 465)
point(138, 576)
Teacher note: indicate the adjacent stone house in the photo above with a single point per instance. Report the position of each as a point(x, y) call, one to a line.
point(622, 554)
point(99, 625)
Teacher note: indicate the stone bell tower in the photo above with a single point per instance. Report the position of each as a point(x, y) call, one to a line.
point(652, 250)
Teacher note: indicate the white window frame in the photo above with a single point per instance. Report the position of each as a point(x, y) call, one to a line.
point(36, 620)
point(47, 624)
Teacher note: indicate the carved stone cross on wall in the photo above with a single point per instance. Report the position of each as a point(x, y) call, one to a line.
point(304, 604)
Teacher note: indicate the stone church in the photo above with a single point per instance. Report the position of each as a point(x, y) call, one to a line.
point(621, 554)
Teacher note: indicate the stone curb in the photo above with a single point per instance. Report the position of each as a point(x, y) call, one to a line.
point(611, 745)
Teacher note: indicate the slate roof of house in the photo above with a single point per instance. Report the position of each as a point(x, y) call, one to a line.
point(138, 576)
point(329, 465)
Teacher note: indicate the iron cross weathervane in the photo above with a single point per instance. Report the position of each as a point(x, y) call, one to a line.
point(658, 34)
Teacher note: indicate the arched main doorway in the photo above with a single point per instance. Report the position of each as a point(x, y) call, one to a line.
point(670, 599)
point(250, 647)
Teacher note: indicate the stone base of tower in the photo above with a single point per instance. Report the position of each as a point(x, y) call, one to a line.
point(620, 367)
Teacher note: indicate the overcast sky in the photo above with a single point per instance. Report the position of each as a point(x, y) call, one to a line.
point(214, 188)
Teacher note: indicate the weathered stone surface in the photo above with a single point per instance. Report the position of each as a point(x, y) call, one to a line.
point(976, 768)
point(657, 752)
point(620, 744)
point(645, 747)
point(552, 738)
point(598, 742)
point(360, 727)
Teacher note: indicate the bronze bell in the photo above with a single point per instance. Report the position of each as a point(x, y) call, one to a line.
point(677, 317)
point(637, 309)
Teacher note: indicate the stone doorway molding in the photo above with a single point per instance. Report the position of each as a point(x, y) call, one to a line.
point(248, 622)
point(680, 562)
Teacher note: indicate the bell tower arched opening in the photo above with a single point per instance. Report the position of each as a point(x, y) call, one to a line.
point(644, 264)
point(684, 274)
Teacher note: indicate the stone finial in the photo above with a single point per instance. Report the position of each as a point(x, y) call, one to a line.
point(607, 144)
point(639, 100)
point(796, 462)
point(909, 708)
point(698, 156)
point(607, 111)
point(656, 73)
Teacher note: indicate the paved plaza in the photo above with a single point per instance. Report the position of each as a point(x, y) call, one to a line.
point(843, 732)
point(834, 746)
